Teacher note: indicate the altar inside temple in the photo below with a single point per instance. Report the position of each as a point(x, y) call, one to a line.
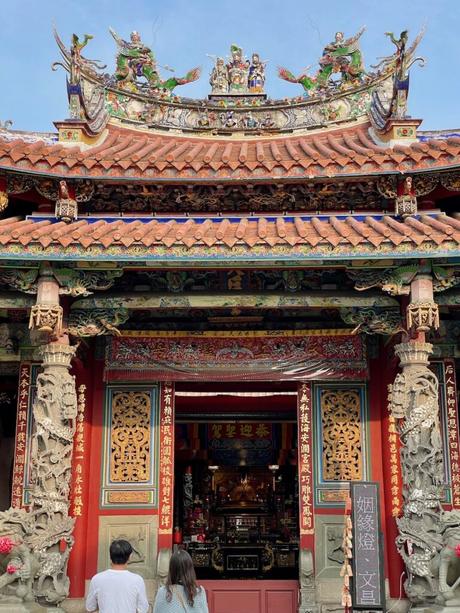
point(236, 487)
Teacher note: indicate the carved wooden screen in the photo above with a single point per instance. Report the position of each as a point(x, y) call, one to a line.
point(130, 437)
point(130, 448)
point(342, 453)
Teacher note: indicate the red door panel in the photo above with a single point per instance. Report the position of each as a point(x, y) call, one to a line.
point(243, 601)
point(252, 596)
point(280, 601)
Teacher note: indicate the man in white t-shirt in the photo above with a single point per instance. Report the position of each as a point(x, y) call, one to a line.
point(117, 590)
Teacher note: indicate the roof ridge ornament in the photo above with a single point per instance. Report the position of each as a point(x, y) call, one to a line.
point(341, 56)
point(390, 118)
point(239, 76)
point(137, 68)
point(88, 117)
point(136, 95)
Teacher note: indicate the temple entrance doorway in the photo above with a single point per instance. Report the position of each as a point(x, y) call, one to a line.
point(236, 492)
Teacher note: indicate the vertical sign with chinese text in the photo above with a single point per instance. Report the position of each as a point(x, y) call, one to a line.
point(79, 455)
point(452, 430)
point(368, 580)
point(166, 462)
point(22, 417)
point(307, 527)
point(395, 468)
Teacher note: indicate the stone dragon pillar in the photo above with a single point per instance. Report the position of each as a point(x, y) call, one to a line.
point(55, 412)
point(413, 401)
point(36, 544)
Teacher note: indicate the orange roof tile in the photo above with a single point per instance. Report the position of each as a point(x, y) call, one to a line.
point(321, 234)
point(132, 154)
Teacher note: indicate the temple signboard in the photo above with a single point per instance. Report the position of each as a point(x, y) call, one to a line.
point(368, 580)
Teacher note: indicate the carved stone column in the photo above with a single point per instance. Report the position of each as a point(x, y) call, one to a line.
point(55, 411)
point(41, 538)
point(413, 401)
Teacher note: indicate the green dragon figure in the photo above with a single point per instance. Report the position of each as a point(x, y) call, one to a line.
point(340, 56)
point(135, 60)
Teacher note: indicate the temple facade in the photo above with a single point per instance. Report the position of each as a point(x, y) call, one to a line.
point(231, 325)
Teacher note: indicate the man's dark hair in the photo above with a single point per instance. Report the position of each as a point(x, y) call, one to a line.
point(120, 551)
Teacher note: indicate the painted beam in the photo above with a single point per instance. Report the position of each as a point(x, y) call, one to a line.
point(449, 298)
point(320, 299)
point(15, 300)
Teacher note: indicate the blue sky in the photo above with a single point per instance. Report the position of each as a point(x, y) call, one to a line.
point(290, 33)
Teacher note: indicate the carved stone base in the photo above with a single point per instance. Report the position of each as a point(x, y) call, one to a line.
point(74, 605)
point(432, 609)
point(398, 606)
point(308, 608)
point(31, 607)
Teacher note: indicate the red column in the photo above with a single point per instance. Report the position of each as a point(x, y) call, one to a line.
point(94, 468)
point(304, 445)
point(166, 483)
point(385, 371)
point(81, 461)
point(377, 410)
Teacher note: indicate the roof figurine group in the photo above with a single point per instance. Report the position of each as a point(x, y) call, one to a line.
point(341, 67)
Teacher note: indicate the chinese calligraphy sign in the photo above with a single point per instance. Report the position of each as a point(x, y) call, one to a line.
point(166, 485)
point(79, 451)
point(368, 586)
point(452, 430)
point(22, 417)
point(305, 463)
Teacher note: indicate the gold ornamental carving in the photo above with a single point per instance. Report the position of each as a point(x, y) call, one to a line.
point(129, 497)
point(341, 425)
point(46, 318)
point(423, 316)
point(130, 437)
point(335, 495)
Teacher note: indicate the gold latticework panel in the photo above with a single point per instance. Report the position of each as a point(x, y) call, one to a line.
point(130, 437)
point(341, 426)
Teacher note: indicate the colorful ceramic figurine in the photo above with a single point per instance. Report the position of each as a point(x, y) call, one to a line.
point(135, 60)
point(238, 70)
point(256, 80)
point(238, 75)
point(219, 77)
point(340, 56)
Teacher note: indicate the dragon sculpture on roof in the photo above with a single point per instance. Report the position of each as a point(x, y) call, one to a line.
point(341, 56)
point(136, 61)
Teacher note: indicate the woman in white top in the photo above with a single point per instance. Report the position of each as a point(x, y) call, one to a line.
point(181, 593)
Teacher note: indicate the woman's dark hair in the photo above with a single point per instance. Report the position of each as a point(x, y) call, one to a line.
point(181, 572)
point(120, 551)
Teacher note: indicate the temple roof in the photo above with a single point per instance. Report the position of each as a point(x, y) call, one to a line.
point(305, 237)
point(123, 153)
